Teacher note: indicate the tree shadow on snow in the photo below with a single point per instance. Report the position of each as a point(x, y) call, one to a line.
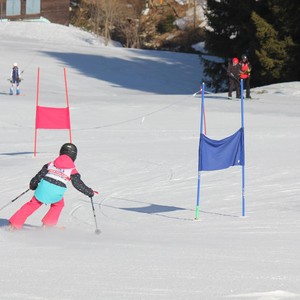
point(15, 153)
point(154, 73)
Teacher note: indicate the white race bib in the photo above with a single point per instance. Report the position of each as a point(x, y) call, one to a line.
point(62, 175)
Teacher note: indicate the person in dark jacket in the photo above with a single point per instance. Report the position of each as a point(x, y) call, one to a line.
point(233, 73)
point(50, 185)
point(245, 67)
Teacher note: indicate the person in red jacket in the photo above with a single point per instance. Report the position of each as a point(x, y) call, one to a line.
point(245, 69)
point(50, 184)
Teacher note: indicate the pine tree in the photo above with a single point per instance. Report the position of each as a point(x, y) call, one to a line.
point(271, 52)
point(286, 18)
point(268, 31)
point(229, 36)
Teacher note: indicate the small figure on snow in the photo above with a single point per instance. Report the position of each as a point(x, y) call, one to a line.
point(50, 185)
point(233, 73)
point(15, 80)
point(245, 74)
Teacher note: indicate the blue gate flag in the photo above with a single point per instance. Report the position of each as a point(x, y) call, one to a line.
point(221, 154)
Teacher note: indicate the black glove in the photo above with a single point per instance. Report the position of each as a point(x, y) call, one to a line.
point(91, 193)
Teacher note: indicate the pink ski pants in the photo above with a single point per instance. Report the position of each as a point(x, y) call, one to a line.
point(50, 219)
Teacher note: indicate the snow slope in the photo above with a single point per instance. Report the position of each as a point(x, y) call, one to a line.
point(136, 125)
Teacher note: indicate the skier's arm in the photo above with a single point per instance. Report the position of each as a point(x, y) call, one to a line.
point(229, 70)
point(37, 178)
point(80, 185)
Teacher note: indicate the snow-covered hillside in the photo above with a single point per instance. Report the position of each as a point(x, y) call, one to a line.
point(136, 125)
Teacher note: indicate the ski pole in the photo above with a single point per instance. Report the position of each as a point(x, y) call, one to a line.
point(97, 231)
point(196, 93)
point(205, 92)
point(10, 202)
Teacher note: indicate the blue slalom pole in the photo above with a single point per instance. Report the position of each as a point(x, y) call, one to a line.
point(201, 131)
point(243, 166)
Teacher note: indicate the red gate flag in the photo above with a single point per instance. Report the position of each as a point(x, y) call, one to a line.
point(52, 118)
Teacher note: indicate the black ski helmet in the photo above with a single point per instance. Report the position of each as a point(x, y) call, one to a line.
point(69, 149)
point(244, 57)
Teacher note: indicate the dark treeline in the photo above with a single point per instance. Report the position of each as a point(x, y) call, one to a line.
point(267, 31)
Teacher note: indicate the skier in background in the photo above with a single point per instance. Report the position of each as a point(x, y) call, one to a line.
point(15, 80)
point(245, 74)
point(50, 185)
point(233, 73)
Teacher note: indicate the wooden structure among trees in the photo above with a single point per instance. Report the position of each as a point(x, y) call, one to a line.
point(56, 11)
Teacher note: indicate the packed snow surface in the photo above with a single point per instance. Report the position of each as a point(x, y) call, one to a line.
point(136, 125)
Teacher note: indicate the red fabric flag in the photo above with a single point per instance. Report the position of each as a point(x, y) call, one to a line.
point(52, 118)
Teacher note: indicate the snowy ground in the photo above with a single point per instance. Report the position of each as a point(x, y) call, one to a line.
point(136, 125)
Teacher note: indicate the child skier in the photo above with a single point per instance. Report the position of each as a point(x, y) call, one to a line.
point(15, 79)
point(50, 185)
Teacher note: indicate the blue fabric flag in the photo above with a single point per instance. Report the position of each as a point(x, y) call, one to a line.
point(222, 154)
